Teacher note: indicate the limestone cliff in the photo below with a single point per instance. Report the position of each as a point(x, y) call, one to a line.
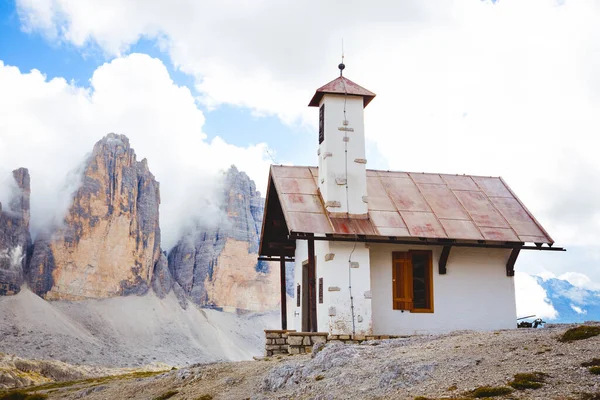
point(14, 235)
point(218, 267)
point(163, 283)
point(110, 240)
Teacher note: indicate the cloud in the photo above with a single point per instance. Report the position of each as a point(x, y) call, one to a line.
point(50, 126)
point(579, 280)
point(504, 88)
point(545, 275)
point(531, 298)
point(578, 310)
point(8, 189)
point(579, 288)
point(494, 88)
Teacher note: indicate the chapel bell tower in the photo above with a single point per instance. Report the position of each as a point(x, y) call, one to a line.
point(342, 162)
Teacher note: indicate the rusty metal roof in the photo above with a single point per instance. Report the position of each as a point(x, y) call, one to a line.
point(412, 205)
point(342, 85)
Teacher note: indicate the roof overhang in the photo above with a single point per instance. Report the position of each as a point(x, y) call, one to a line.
point(446, 244)
point(423, 241)
point(342, 86)
point(274, 240)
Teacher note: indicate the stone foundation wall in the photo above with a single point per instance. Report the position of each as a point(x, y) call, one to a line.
point(292, 342)
point(277, 342)
point(356, 339)
point(302, 342)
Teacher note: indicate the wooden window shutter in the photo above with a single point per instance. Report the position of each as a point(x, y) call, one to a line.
point(402, 282)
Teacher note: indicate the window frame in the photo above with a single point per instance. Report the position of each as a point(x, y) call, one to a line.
point(403, 293)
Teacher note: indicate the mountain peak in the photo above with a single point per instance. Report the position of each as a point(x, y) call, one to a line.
point(14, 235)
point(110, 240)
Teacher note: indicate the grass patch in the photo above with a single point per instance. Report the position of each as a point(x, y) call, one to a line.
point(580, 333)
point(595, 362)
point(594, 370)
point(97, 381)
point(533, 380)
point(17, 394)
point(166, 395)
point(490, 391)
point(204, 397)
point(21, 395)
point(589, 396)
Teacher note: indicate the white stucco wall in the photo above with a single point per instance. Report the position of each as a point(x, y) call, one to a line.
point(332, 159)
point(475, 293)
point(322, 248)
point(294, 316)
point(290, 308)
point(335, 274)
point(295, 312)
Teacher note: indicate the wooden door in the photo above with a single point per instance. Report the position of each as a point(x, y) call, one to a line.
point(305, 299)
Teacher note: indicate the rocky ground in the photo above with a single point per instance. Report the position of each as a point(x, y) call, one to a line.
point(19, 372)
point(437, 366)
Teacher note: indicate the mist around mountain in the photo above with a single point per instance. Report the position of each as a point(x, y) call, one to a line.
point(100, 288)
point(108, 243)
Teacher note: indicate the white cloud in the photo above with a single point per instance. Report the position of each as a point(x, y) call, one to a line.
point(49, 126)
point(578, 310)
point(579, 280)
point(580, 291)
point(507, 89)
point(531, 298)
point(39, 15)
point(575, 294)
point(467, 86)
point(546, 275)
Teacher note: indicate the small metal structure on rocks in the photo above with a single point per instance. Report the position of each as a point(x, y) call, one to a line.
point(526, 324)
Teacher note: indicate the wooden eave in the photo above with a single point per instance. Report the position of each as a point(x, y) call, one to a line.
point(446, 245)
point(274, 237)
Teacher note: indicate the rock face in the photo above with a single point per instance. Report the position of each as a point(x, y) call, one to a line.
point(163, 283)
point(109, 243)
point(14, 235)
point(110, 240)
point(218, 267)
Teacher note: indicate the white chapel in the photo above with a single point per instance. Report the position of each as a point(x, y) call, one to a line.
point(390, 252)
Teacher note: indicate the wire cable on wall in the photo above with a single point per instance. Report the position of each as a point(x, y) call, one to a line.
point(345, 123)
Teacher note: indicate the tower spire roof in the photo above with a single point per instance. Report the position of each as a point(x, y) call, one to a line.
point(342, 85)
